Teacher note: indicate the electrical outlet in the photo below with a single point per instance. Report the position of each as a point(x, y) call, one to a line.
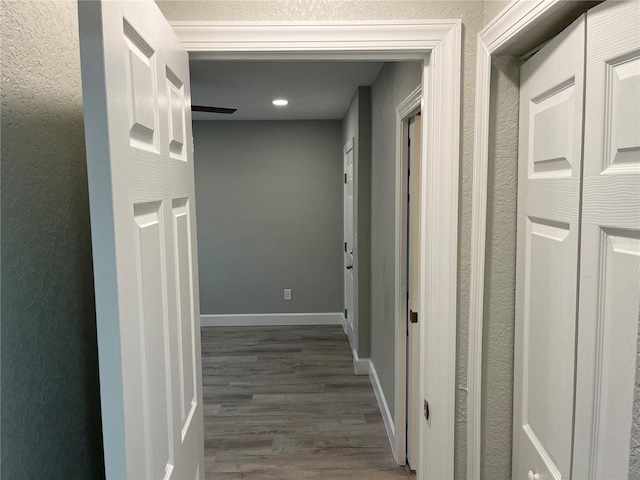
point(287, 294)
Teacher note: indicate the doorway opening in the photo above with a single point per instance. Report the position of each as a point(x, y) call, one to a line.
point(146, 269)
point(285, 229)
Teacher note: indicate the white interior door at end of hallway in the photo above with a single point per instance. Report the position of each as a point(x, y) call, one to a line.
point(609, 302)
point(349, 242)
point(135, 78)
point(550, 147)
point(414, 410)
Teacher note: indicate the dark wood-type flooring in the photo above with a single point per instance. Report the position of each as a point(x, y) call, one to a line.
point(283, 403)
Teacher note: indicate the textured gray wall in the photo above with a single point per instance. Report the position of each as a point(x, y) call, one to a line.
point(500, 266)
point(393, 84)
point(472, 14)
point(357, 123)
point(269, 201)
point(500, 269)
point(50, 393)
point(492, 8)
point(634, 454)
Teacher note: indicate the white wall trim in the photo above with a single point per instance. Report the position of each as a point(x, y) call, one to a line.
point(438, 44)
point(388, 39)
point(407, 108)
point(384, 408)
point(361, 366)
point(513, 31)
point(271, 319)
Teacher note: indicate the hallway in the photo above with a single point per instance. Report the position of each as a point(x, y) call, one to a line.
point(284, 403)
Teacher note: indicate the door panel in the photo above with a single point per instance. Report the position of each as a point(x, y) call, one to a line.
point(141, 186)
point(186, 327)
point(547, 258)
point(609, 303)
point(349, 238)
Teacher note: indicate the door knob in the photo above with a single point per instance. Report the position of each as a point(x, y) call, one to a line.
point(533, 476)
point(349, 267)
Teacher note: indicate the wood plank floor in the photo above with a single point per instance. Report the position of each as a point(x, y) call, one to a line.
point(283, 403)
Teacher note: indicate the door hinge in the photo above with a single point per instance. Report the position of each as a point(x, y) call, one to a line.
point(345, 178)
point(408, 198)
point(345, 246)
point(345, 313)
point(407, 296)
point(413, 316)
point(426, 410)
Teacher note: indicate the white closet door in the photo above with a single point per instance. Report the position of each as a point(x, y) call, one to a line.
point(551, 101)
point(610, 253)
point(137, 106)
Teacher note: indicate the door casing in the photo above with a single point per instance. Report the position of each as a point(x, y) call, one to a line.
point(428, 41)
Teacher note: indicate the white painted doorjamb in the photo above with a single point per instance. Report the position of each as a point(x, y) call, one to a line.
point(409, 107)
point(438, 44)
point(515, 30)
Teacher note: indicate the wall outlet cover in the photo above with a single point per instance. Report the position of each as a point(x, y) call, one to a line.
point(287, 294)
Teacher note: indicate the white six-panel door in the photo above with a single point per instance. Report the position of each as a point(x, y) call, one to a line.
point(551, 101)
point(141, 185)
point(349, 240)
point(609, 305)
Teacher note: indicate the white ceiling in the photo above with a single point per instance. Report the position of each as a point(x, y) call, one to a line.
point(315, 90)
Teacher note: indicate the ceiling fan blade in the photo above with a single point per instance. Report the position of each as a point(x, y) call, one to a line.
point(201, 108)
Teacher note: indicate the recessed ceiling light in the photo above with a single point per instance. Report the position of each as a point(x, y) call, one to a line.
point(280, 102)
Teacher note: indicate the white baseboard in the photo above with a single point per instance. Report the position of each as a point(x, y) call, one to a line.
point(387, 418)
point(271, 319)
point(360, 365)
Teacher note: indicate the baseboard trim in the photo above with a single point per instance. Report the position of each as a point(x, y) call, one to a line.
point(271, 319)
point(387, 418)
point(360, 365)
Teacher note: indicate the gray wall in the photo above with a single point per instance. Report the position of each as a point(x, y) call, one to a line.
point(49, 367)
point(357, 124)
point(392, 85)
point(270, 216)
point(493, 8)
point(500, 269)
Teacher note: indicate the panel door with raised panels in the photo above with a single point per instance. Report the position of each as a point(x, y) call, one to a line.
point(141, 186)
point(349, 244)
point(550, 148)
point(609, 308)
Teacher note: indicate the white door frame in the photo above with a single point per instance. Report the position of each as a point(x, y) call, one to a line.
point(521, 26)
point(407, 109)
point(438, 44)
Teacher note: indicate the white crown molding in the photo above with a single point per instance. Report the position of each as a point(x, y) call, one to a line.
point(438, 44)
point(521, 23)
